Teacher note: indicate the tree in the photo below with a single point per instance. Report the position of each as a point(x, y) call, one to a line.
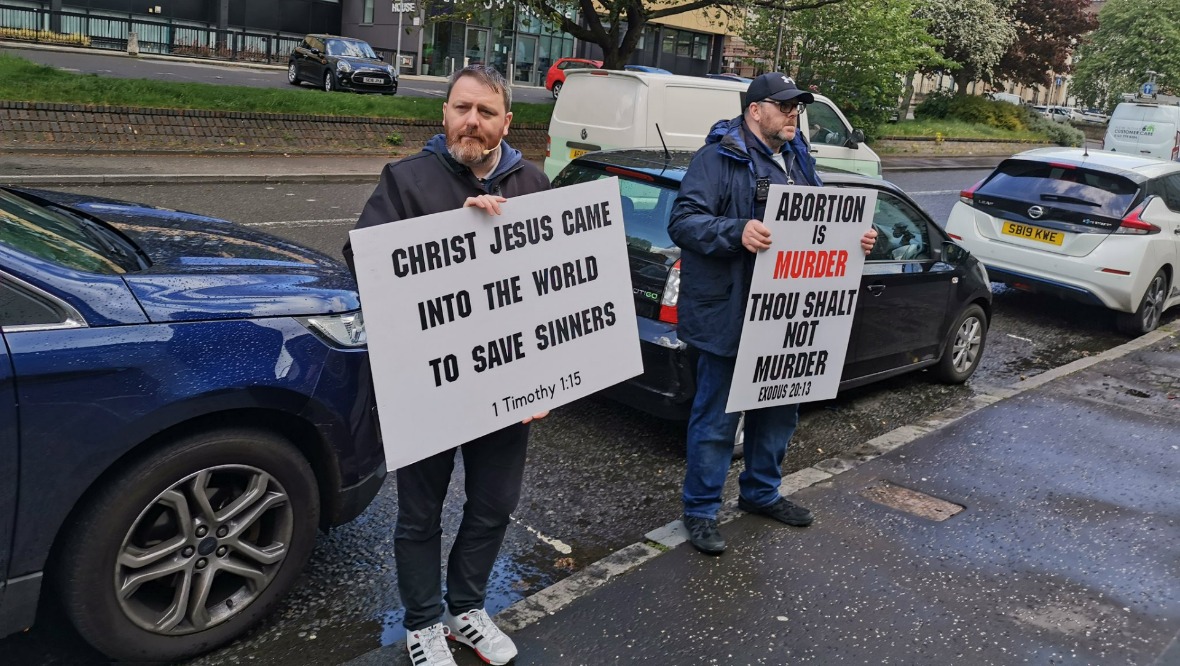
point(852, 52)
point(1047, 32)
point(616, 26)
point(974, 35)
point(1133, 37)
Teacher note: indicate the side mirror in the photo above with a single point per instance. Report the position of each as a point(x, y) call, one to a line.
point(953, 254)
point(857, 138)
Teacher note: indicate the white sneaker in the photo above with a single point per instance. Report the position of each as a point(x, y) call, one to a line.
point(476, 629)
point(428, 647)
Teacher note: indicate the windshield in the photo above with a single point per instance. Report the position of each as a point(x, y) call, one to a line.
point(46, 234)
point(351, 49)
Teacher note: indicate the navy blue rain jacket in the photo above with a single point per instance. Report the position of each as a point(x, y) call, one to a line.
point(715, 202)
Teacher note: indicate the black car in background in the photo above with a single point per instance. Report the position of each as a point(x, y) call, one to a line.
point(340, 63)
point(925, 302)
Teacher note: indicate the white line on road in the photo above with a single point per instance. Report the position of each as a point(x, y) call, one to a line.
point(300, 223)
point(1019, 338)
point(557, 545)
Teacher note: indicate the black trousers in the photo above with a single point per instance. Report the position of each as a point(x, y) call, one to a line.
point(494, 467)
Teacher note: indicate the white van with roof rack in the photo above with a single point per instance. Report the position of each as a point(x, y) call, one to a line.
point(1146, 126)
point(603, 109)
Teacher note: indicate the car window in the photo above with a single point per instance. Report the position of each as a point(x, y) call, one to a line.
point(20, 308)
point(902, 234)
point(1168, 189)
point(350, 49)
point(1064, 186)
point(824, 126)
point(42, 233)
point(646, 208)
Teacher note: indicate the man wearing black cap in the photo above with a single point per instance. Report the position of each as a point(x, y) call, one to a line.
point(716, 221)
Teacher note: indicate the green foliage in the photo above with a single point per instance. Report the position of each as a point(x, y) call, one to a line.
point(21, 80)
point(1133, 36)
point(972, 109)
point(853, 52)
point(949, 128)
point(394, 139)
point(1062, 134)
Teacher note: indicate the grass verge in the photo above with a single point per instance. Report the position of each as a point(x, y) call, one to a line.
point(955, 129)
point(21, 80)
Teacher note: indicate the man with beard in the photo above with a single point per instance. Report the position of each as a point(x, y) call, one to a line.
point(716, 221)
point(469, 165)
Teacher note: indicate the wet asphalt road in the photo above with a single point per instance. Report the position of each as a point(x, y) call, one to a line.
point(121, 66)
point(600, 475)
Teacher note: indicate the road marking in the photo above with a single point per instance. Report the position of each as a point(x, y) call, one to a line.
point(1019, 338)
point(933, 193)
point(557, 545)
point(300, 223)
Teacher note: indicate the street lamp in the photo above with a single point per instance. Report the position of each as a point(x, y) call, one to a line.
point(400, 8)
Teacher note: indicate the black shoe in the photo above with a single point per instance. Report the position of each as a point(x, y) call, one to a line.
point(784, 511)
point(704, 536)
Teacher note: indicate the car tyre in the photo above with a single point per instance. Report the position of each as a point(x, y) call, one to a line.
point(292, 74)
point(556, 89)
point(149, 570)
point(964, 346)
point(1146, 318)
point(329, 81)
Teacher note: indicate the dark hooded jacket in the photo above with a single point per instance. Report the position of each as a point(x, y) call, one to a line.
point(716, 200)
point(433, 182)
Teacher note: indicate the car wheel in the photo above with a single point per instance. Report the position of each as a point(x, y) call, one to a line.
point(1146, 318)
point(329, 81)
point(964, 346)
point(556, 89)
point(292, 74)
point(186, 548)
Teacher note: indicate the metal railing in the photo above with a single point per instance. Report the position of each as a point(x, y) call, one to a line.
point(110, 30)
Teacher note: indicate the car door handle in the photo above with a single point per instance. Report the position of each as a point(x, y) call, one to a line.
point(876, 289)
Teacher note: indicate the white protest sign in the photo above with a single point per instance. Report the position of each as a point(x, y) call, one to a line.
point(477, 321)
point(802, 297)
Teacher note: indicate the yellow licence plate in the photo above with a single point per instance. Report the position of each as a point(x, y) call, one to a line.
point(1032, 233)
point(575, 153)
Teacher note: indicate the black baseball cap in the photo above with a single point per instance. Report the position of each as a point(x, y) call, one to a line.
point(777, 87)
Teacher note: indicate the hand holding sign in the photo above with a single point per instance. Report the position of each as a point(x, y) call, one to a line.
point(803, 295)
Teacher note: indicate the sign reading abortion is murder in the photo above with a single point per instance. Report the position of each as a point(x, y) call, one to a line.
point(477, 321)
point(802, 297)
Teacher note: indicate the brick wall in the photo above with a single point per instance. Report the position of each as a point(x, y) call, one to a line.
point(32, 125)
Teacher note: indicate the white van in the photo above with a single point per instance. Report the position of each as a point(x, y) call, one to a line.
point(603, 109)
point(1144, 128)
point(1007, 97)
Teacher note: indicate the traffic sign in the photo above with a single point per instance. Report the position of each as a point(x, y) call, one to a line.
point(1148, 89)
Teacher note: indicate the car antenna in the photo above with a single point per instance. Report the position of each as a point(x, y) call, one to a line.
point(667, 155)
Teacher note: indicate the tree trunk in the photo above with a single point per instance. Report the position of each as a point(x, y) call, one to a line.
point(907, 97)
point(962, 81)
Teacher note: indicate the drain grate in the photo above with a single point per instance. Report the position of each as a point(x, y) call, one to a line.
point(911, 501)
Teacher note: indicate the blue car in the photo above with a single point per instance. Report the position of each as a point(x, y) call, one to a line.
point(646, 68)
point(183, 402)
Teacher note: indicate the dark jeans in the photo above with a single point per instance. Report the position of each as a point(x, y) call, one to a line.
point(710, 443)
point(494, 468)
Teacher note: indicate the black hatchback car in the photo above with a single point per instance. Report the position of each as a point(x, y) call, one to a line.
point(340, 63)
point(925, 302)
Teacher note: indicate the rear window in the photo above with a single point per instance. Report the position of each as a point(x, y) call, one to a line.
point(1083, 190)
point(646, 207)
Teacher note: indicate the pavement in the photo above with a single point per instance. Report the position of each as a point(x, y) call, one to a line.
point(70, 167)
point(1038, 523)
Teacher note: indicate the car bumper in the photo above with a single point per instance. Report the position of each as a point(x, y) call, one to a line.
point(352, 500)
point(1086, 279)
point(668, 383)
point(353, 82)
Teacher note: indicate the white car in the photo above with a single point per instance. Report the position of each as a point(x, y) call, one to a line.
point(1100, 228)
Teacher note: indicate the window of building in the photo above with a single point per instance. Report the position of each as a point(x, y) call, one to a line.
point(669, 41)
point(684, 44)
point(368, 12)
point(700, 47)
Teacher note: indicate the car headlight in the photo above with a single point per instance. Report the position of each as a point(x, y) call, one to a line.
point(391, 70)
point(342, 330)
point(343, 66)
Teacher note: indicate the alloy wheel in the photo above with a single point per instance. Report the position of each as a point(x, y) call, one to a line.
point(1153, 302)
point(968, 340)
point(328, 87)
point(203, 550)
point(291, 74)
